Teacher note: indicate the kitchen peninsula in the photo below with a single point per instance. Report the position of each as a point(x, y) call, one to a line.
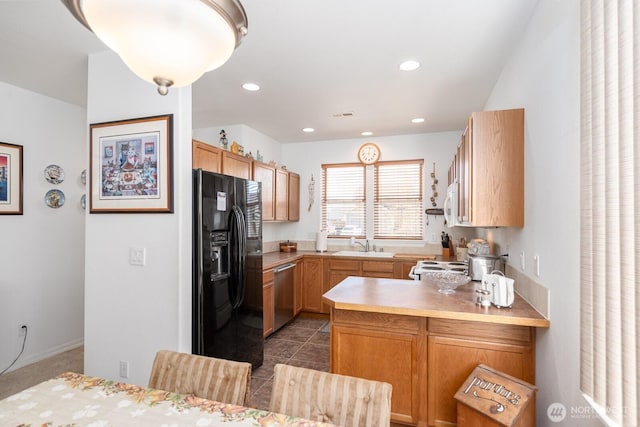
point(425, 343)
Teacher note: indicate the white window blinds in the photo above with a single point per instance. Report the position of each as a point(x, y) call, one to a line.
point(343, 200)
point(398, 209)
point(610, 207)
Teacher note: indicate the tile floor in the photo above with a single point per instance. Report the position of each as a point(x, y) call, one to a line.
point(303, 342)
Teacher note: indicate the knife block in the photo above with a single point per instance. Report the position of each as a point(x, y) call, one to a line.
point(448, 252)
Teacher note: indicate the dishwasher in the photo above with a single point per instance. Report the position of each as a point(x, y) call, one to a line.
point(283, 295)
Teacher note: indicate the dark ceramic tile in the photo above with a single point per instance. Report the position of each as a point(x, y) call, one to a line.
point(308, 322)
point(256, 383)
point(310, 364)
point(281, 348)
point(312, 352)
point(260, 399)
point(266, 370)
point(294, 333)
point(321, 338)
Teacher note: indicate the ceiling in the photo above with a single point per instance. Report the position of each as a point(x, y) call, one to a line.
point(314, 60)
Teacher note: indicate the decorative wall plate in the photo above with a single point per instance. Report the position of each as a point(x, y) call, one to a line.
point(54, 174)
point(83, 177)
point(83, 201)
point(54, 198)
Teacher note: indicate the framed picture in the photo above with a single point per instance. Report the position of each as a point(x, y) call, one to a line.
point(131, 166)
point(10, 179)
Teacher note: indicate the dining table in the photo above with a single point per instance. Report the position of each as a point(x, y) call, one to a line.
point(73, 399)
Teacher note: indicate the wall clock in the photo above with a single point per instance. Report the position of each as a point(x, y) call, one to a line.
point(368, 153)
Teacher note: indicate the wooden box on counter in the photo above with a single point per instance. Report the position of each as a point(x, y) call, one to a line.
point(490, 398)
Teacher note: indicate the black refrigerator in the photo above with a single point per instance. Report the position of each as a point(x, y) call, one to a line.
point(227, 268)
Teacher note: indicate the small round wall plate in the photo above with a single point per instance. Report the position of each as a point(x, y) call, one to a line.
point(54, 174)
point(83, 177)
point(54, 198)
point(83, 201)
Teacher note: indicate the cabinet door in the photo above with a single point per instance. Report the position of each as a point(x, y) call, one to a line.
point(282, 195)
point(206, 157)
point(335, 271)
point(451, 360)
point(297, 288)
point(236, 165)
point(267, 302)
point(312, 284)
point(401, 269)
point(294, 196)
point(497, 168)
point(381, 356)
point(266, 174)
point(463, 157)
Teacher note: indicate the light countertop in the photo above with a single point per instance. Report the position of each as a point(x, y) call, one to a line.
point(422, 299)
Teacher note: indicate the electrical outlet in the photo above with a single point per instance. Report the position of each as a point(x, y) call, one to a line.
point(124, 369)
point(22, 331)
point(522, 264)
point(536, 265)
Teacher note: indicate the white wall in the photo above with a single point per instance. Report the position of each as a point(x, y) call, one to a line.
point(543, 76)
point(307, 158)
point(131, 312)
point(42, 251)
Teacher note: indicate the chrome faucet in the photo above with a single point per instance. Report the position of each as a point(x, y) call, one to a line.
point(365, 246)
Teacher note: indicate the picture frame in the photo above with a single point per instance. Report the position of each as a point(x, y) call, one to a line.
point(10, 179)
point(131, 168)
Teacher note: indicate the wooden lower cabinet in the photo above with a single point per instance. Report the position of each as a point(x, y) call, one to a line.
point(370, 347)
point(297, 288)
point(268, 303)
point(381, 269)
point(312, 289)
point(426, 360)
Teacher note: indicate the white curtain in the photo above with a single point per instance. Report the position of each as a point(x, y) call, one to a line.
point(610, 207)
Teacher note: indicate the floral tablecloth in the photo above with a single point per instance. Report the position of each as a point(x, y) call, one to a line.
point(78, 400)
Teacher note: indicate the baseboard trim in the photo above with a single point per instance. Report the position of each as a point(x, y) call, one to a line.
point(33, 358)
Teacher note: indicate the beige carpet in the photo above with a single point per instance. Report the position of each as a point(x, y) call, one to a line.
point(30, 375)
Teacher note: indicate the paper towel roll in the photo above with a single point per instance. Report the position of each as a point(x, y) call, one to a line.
point(321, 241)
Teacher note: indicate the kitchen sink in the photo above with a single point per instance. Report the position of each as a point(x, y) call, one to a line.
point(364, 254)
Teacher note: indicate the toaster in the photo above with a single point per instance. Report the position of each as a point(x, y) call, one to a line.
point(479, 265)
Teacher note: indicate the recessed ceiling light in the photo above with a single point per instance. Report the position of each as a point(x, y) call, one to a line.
point(308, 130)
point(417, 120)
point(409, 65)
point(366, 133)
point(252, 87)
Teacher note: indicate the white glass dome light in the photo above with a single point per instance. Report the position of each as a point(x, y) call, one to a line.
point(166, 42)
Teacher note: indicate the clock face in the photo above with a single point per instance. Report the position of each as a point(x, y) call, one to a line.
point(369, 153)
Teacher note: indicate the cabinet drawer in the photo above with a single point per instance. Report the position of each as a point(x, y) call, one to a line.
point(489, 331)
point(344, 264)
point(267, 276)
point(378, 266)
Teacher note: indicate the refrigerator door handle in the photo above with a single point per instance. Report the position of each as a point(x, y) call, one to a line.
point(238, 224)
point(199, 344)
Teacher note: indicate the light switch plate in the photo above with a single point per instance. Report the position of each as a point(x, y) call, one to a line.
point(137, 256)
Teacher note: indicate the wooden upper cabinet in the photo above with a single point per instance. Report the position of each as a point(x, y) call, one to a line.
point(282, 195)
point(266, 174)
point(490, 166)
point(206, 157)
point(294, 196)
point(236, 165)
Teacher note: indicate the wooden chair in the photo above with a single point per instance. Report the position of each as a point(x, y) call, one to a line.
point(207, 377)
point(332, 398)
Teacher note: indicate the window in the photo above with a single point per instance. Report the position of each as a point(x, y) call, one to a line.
point(398, 200)
point(389, 202)
point(343, 200)
point(610, 181)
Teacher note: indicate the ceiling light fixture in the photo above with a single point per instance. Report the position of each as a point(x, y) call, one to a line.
point(308, 130)
point(366, 133)
point(409, 65)
point(417, 120)
point(251, 87)
point(166, 42)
